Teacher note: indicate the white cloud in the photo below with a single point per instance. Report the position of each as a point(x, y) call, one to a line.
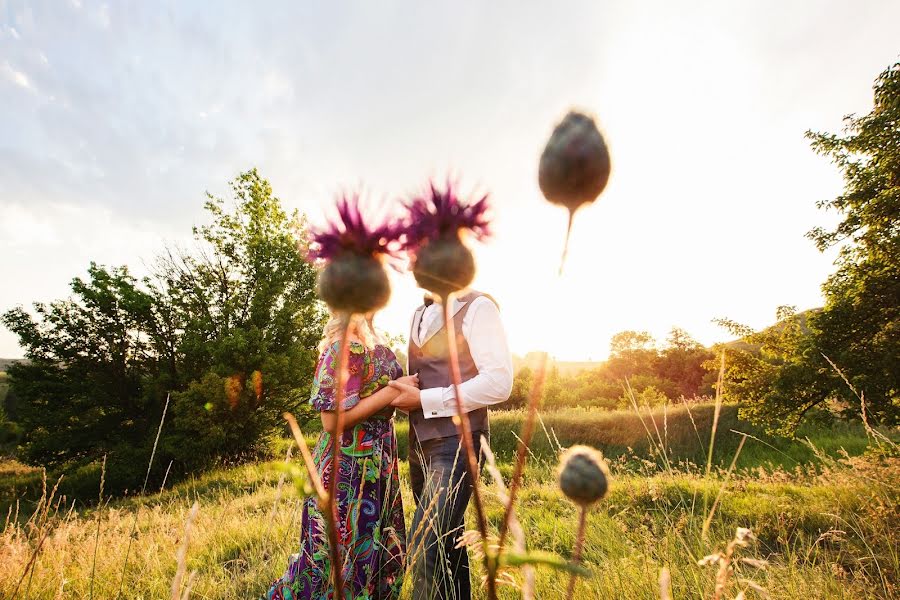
point(705, 115)
point(17, 77)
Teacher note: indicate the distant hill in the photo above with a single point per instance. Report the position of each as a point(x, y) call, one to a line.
point(6, 362)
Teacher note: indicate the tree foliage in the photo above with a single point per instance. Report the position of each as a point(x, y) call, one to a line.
point(227, 330)
point(655, 375)
point(782, 373)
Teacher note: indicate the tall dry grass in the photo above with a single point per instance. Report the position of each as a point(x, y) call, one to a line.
point(827, 528)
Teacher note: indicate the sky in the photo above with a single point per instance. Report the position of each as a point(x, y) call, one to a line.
point(117, 118)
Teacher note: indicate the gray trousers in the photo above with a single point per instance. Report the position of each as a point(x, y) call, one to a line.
point(441, 487)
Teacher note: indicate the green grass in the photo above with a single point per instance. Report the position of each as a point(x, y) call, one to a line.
point(827, 526)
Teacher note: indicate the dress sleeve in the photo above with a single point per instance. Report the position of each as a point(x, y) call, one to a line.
point(324, 386)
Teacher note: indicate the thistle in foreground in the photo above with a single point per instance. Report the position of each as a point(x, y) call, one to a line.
point(443, 265)
point(574, 166)
point(354, 280)
point(437, 220)
point(584, 479)
point(583, 475)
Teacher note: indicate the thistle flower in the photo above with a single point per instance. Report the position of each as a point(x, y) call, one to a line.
point(354, 279)
point(442, 263)
point(583, 475)
point(574, 166)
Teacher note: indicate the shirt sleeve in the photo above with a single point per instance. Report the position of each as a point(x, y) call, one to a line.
point(488, 346)
point(324, 386)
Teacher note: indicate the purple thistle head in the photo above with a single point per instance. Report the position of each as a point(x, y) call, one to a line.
point(442, 214)
point(442, 263)
point(351, 234)
point(354, 280)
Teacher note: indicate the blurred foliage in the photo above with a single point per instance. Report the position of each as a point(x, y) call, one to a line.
point(228, 328)
point(655, 375)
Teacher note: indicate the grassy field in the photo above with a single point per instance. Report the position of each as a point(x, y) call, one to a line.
point(825, 519)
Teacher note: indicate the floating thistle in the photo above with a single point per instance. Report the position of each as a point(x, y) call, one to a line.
point(583, 475)
point(442, 263)
point(574, 166)
point(354, 279)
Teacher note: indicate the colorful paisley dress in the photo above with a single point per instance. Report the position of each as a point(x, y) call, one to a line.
point(372, 530)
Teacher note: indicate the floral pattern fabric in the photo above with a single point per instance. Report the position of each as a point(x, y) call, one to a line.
point(371, 527)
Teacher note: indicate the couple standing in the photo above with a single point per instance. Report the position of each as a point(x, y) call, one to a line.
point(372, 530)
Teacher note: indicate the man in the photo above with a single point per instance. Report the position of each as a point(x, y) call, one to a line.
point(437, 462)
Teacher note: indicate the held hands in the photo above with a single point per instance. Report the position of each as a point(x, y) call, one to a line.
point(409, 398)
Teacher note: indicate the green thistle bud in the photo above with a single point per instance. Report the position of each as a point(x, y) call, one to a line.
point(575, 163)
point(583, 475)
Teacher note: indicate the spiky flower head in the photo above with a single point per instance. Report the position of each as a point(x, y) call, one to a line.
point(350, 233)
point(442, 263)
point(441, 213)
point(354, 280)
point(583, 475)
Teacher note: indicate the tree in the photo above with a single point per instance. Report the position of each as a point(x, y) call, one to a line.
point(631, 353)
point(682, 362)
point(775, 374)
point(244, 301)
point(229, 330)
point(82, 391)
point(784, 372)
point(859, 326)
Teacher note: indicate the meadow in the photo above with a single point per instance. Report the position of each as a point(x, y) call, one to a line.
point(823, 510)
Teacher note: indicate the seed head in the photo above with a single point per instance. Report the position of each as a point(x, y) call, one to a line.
point(442, 263)
point(575, 164)
point(354, 279)
point(583, 475)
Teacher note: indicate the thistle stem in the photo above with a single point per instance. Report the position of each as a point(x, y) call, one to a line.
point(465, 434)
point(565, 251)
point(332, 507)
point(576, 553)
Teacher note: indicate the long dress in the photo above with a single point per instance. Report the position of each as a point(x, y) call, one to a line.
point(372, 530)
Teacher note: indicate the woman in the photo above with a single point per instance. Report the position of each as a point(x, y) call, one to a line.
point(370, 510)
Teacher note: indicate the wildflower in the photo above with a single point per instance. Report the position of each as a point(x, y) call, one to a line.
point(583, 475)
point(442, 263)
point(354, 279)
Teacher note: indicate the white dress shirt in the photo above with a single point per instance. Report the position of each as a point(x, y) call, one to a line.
point(486, 338)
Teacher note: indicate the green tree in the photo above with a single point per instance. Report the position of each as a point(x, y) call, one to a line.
point(859, 326)
point(229, 329)
point(84, 390)
point(775, 374)
point(781, 374)
point(631, 353)
point(682, 362)
point(244, 301)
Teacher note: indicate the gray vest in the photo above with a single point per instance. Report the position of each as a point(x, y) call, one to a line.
point(431, 363)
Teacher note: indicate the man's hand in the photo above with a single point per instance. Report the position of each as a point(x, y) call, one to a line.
point(409, 398)
point(412, 380)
